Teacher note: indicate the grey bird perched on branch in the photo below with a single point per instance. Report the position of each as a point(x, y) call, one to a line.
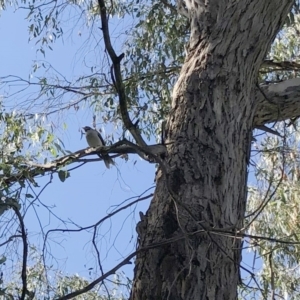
point(94, 140)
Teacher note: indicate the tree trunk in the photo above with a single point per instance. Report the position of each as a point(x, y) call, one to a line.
point(209, 130)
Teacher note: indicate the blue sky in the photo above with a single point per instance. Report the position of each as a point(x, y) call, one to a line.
point(92, 190)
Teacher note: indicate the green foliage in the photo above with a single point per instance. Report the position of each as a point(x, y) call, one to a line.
point(154, 53)
point(285, 48)
point(23, 140)
point(273, 209)
point(46, 283)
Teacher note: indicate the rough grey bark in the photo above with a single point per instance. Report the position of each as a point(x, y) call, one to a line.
point(203, 184)
point(277, 102)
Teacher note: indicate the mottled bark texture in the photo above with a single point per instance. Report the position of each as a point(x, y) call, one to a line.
point(209, 130)
point(277, 102)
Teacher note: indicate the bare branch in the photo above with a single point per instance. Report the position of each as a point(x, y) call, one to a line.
point(98, 222)
point(118, 77)
point(10, 239)
point(87, 288)
point(280, 65)
point(31, 169)
point(25, 252)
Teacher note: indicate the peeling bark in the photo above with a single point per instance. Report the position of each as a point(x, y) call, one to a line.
point(277, 102)
point(203, 184)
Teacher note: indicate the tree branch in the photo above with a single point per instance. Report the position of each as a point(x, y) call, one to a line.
point(118, 77)
point(177, 238)
point(11, 238)
point(280, 66)
point(277, 102)
point(31, 169)
point(25, 252)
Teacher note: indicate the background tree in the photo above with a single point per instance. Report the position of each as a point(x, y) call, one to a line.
point(190, 239)
point(59, 285)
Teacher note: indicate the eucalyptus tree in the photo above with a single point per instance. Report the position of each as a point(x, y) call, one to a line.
point(189, 73)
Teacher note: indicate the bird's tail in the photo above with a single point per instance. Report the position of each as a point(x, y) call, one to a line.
point(108, 161)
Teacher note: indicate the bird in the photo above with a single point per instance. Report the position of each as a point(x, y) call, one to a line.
point(94, 140)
